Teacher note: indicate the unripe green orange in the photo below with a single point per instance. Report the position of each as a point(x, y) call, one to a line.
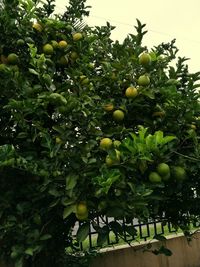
point(131, 92)
point(105, 143)
point(145, 59)
point(118, 115)
point(37, 27)
point(48, 49)
point(154, 177)
point(77, 36)
point(179, 173)
point(13, 59)
point(143, 80)
point(163, 169)
point(108, 107)
point(54, 44)
point(63, 61)
point(81, 211)
point(62, 44)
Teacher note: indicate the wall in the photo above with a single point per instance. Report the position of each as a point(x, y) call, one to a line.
point(184, 254)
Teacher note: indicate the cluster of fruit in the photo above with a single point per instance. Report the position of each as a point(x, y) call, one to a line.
point(164, 173)
point(131, 92)
point(106, 144)
point(48, 48)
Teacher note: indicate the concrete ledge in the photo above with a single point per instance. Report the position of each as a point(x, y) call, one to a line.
point(184, 254)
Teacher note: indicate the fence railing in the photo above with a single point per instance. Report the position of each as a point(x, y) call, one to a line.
point(131, 231)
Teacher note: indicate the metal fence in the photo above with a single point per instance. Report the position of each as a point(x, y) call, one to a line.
point(140, 231)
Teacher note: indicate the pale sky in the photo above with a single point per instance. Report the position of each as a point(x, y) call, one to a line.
point(165, 20)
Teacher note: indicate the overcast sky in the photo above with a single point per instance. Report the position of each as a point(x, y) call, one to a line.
point(165, 20)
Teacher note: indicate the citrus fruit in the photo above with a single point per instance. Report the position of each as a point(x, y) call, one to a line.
point(20, 42)
point(73, 55)
point(109, 161)
point(154, 177)
point(158, 114)
point(48, 49)
point(81, 208)
point(81, 211)
point(84, 79)
point(58, 140)
point(37, 27)
point(143, 80)
point(131, 92)
point(108, 107)
point(118, 115)
point(63, 61)
point(179, 173)
point(77, 36)
point(54, 44)
point(2, 67)
point(116, 143)
point(62, 44)
point(105, 143)
point(193, 126)
point(163, 169)
point(145, 59)
point(12, 59)
point(69, 28)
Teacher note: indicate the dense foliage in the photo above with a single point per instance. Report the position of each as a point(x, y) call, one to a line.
point(75, 143)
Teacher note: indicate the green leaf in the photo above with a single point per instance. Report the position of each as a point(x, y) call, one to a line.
point(45, 237)
point(130, 229)
point(33, 72)
point(71, 181)
point(102, 236)
point(116, 227)
point(29, 251)
point(68, 210)
point(83, 232)
point(19, 262)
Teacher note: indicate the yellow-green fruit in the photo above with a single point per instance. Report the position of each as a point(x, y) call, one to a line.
point(81, 208)
point(118, 115)
point(116, 143)
point(2, 67)
point(37, 27)
point(73, 55)
point(117, 155)
point(193, 126)
point(145, 59)
point(20, 42)
point(58, 140)
point(77, 36)
point(131, 92)
point(84, 80)
point(179, 173)
point(105, 143)
point(143, 80)
point(160, 114)
point(63, 61)
point(109, 161)
point(48, 49)
point(163, 169)
point(154, 177)
point(12, 59)
point(81, 211)
point(108, 107)
point(54, 44)
point(62, 44)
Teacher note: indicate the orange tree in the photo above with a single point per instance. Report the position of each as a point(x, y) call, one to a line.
point(89, 127)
